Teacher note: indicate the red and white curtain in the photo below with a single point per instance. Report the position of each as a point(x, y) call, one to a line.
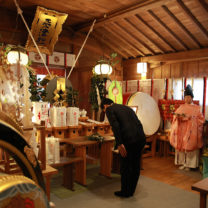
point(171, 89)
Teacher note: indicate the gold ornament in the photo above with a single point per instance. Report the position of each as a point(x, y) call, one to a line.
point(60, 93)
point(12, 122)
point(30, 155)
point(46, 27)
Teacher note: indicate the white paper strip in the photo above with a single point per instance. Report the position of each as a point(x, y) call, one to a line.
point(132, 86)
point(145, 86)
point(158, 89)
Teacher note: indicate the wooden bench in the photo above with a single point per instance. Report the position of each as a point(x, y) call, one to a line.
point(202, 188)
point(68, 170)
point(47, 173)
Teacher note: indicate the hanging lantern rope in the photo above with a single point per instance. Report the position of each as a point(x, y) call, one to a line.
point(19, 11)
point(91, 29)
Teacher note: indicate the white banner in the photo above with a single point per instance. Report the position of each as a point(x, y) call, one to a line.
point(56, 59)
point(70, 59)
point(35, 57)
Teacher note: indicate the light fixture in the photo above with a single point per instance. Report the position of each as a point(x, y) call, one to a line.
point(17, 54)
point(141, 67)
point(143, 75)
point(103, 67)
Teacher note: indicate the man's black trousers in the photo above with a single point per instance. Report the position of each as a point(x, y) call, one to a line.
point(130, 168)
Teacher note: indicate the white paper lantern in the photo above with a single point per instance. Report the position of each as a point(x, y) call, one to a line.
point(103, 68)
point(15, 55)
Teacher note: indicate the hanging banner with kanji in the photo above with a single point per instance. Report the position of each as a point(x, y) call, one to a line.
point(46, 27)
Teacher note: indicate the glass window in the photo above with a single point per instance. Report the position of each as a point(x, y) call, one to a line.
point(177, 89)
point(198, 89)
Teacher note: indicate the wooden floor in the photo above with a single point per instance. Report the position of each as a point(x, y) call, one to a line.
point(164, 170)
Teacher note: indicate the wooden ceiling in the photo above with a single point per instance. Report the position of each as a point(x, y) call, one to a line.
point(132, 28)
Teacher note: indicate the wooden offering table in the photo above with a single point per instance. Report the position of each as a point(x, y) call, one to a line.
point(48, 131)
point(60, 132)
point(108, 129)
point(80, 145)
point(87, 128)
point(103, 129)
point(73, 131)
point(99, 128)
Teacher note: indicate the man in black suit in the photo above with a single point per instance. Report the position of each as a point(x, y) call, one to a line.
point(130, 140)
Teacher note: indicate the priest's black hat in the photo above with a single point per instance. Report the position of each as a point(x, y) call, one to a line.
point(188, 91)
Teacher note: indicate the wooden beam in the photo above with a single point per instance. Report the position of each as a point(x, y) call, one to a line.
point(78, 40)
point(11, 36)
point(203, 5)
point(135, 28)
point(14, 31)
point(134, 38)
point(192, 55)
point(174, 36)
point(127, 40)
point(115, 34)
point(175, 19)
point(110, 45)
point(154, 65)
point(192, 18)
point(122, 13)
point(18, 35)
point(155, 32)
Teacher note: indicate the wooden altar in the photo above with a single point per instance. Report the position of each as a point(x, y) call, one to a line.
point(80, 144)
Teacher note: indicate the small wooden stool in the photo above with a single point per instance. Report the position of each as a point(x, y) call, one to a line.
point(151, 142)
point(164, 144)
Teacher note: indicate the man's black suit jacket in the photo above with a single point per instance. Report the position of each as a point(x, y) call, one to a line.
point(125, 124)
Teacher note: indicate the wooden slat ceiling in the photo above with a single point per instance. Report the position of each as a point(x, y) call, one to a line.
point(131, 28)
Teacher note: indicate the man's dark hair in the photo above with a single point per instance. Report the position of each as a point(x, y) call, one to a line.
point(105, 101)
